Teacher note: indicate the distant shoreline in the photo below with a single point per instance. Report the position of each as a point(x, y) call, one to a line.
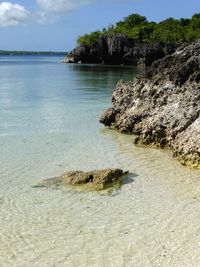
point(30, 53)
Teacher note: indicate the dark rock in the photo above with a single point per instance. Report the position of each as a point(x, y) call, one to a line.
point(119, 49)
point(163, 106)
point(108, 117)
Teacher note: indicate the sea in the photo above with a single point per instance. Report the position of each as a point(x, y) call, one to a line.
point(49, 124)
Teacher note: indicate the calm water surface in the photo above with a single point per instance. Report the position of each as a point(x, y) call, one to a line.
point(49, 124)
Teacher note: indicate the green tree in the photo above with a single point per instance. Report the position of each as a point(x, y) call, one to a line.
point(89, 39)
point(139, 29)
point(134, 20)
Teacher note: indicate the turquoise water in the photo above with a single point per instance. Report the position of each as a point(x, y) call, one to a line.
point(49, 124)
point(39, 95)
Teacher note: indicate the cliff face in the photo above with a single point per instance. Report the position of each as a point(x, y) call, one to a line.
point(163, 106)
point(119, 49)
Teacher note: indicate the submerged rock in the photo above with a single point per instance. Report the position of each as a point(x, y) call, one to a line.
point(163, 106)
point(92, 180)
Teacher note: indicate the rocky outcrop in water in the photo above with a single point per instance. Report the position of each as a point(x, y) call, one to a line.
point(119, 49)
point(93, 180)
point(162, 107)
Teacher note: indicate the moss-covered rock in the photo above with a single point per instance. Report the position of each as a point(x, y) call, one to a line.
point(92, 180)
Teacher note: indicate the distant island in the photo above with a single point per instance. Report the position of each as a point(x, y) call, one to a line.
point(29, 53)
point(135, 40)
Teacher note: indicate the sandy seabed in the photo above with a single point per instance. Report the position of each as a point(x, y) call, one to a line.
point(153, 220)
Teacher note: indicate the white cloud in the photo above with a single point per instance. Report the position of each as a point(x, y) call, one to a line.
point(12, 14)
point(48, 11)
point(43, 17)
point(61, 6)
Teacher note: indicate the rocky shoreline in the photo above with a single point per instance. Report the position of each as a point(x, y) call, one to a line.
point(119, 49)
point(162, 106)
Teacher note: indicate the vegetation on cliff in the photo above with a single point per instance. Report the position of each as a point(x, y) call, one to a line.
point(139, 29)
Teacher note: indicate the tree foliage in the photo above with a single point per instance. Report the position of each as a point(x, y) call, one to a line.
point(89, 39)
point(139, 29)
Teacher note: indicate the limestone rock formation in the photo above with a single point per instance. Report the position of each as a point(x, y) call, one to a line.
point(119, 49)
point(162, 107)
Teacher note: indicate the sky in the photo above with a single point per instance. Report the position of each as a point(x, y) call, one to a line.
point(54, 25)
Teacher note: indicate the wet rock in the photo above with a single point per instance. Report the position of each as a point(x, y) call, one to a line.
point(163, 106)
point(92, 180)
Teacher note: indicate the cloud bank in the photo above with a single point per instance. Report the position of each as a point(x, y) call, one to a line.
point(12, 14)
point(47, 11)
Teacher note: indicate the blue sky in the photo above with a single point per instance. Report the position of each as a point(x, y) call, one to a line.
point(55, 24)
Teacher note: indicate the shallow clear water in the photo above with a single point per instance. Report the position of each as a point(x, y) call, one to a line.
point(49, 124)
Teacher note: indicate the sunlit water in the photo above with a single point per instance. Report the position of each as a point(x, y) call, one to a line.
point(49, 124)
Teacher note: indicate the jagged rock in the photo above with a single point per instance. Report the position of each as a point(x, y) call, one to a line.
point(93, 180)
point(68, 59)
point(163, 106)
point(119, 49)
